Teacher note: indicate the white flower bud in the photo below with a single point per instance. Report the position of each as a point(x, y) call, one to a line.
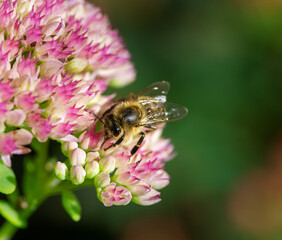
point(61, 170)
point(24, 7)
point(69, 146)
point(90, 156)
point(115, 195)
point(151, 197)
point(2, 126)
point(50, 67)
point(23, 137)
point(160, 180)
point(123, 75)
point(107, 164)
point(102, 180)
point(15, 117)
point(77, 174)
point(92, 169)
point(76, 65)
point(85, 143)
point(77, 157)
point(140, 188)
point(54, 26)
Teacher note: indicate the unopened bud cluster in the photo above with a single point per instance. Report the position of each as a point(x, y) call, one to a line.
point(117, 176)
point(80, 166)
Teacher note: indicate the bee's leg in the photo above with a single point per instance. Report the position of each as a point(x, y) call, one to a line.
point(105, 139)
point(117, 142)
point(150, 127)
point(134, 150)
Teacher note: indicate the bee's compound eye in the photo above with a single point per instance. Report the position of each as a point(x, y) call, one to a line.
point(116, 130)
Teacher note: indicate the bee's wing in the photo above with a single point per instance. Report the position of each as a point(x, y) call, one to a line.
point(156, 89)
point(175, 111)
point(172, 112)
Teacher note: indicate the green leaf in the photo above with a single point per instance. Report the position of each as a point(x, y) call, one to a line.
point(7, 179)
point(71, 205)
point(8, 212)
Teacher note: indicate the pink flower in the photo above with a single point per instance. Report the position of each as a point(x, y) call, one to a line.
point(115, 195)
point(6, 90)
point(51, 53)
point(149, 198)
point(40, 126)
point(57, 58)
point(13, 143)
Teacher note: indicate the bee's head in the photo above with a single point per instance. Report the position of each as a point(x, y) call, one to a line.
point(111, 127)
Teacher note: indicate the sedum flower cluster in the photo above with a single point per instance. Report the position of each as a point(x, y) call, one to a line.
point(56, 60)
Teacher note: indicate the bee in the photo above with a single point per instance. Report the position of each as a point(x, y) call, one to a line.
point(136, 112)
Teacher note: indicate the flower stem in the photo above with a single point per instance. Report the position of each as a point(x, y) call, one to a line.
point(7, 231)
point(38, 185)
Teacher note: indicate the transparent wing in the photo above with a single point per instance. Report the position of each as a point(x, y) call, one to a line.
point(156, 89)
point(171, 112)
point(175, 111)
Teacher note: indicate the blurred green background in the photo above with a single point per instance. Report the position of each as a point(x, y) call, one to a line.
point(224, 62)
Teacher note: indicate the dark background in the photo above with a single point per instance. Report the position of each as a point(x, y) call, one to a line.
point(224, 62)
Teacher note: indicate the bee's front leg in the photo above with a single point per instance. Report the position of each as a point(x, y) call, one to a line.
point(134, 150)
point(117, 142)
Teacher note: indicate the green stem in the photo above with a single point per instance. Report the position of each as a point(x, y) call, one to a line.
point(68, 186)
point(7, 231)
point(38, 185)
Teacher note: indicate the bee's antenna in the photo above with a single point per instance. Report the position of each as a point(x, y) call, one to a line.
point(98, 118)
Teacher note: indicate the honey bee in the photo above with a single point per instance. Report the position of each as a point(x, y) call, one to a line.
point(136, 112)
